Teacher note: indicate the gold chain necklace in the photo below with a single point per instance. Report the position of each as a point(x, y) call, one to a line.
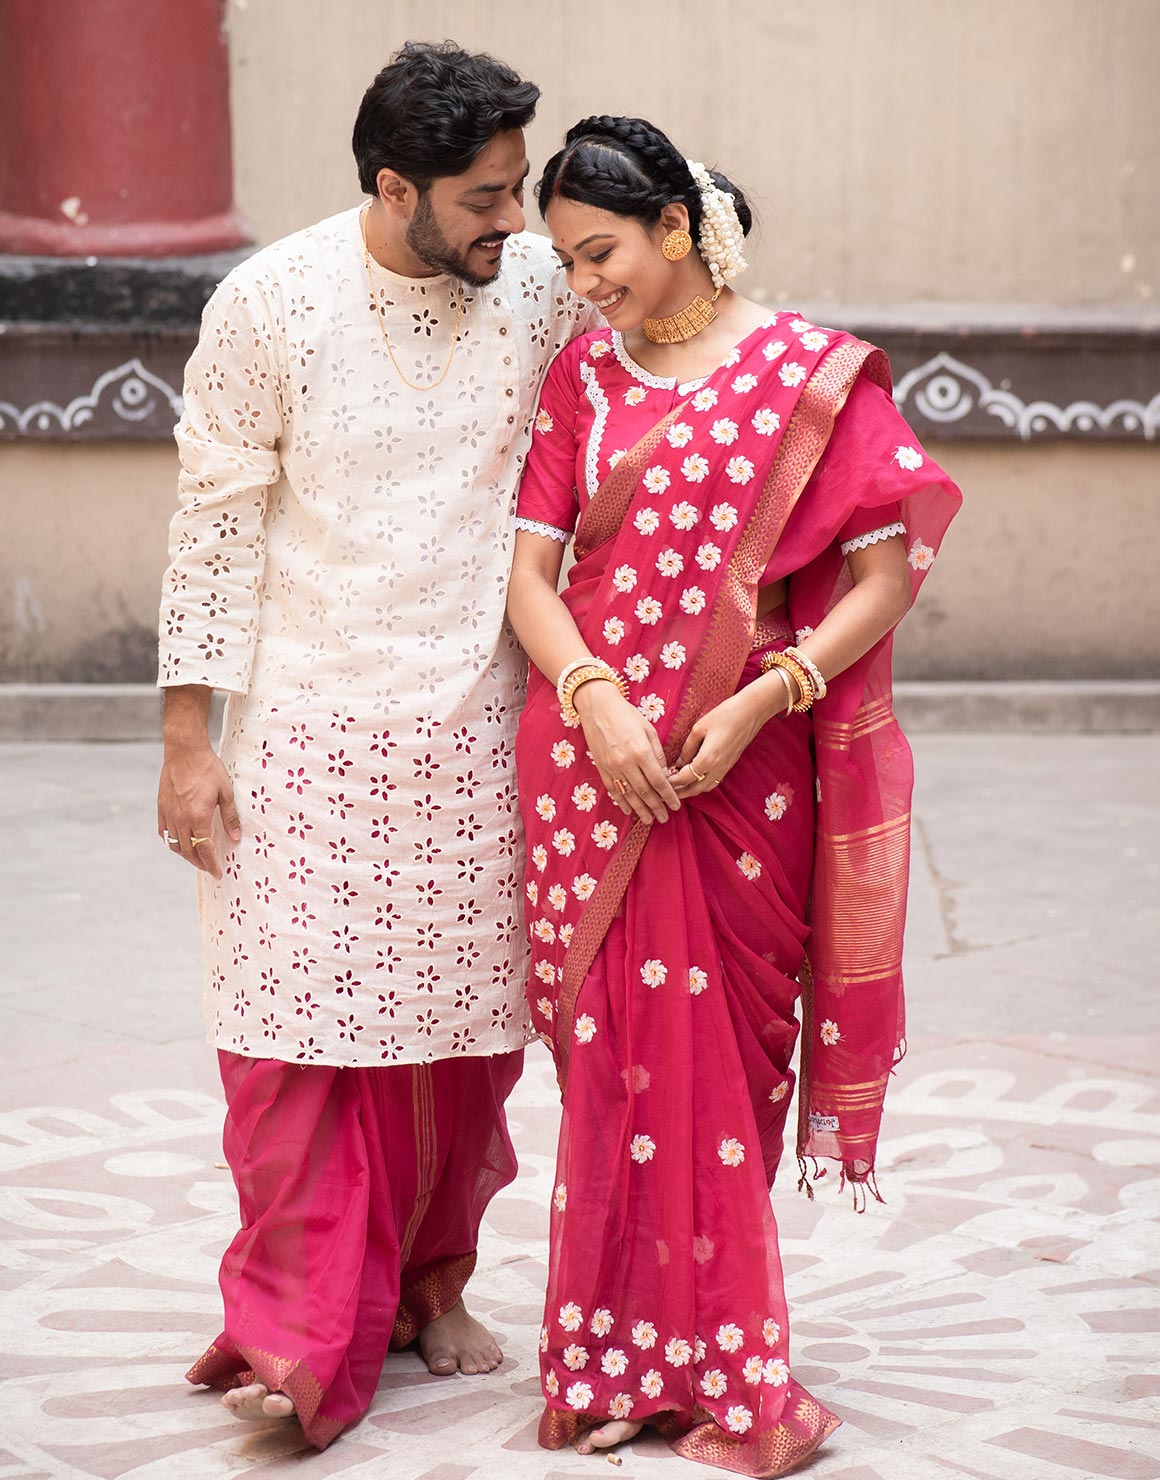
point(678, 327)
point(378, 313)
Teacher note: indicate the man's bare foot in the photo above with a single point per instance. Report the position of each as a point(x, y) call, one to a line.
point(257, 1401)
point(455, 1342)
point(608, 1435)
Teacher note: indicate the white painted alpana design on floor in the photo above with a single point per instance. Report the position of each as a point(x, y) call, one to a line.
point(998, 1317)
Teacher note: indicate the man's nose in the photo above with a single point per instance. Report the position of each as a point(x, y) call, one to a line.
point(512, 218)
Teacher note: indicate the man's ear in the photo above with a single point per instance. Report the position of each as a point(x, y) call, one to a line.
point(397, 194)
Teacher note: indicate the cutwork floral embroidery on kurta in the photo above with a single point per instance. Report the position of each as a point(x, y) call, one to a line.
point(339, 564)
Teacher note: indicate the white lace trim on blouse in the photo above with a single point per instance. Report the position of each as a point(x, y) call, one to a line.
point(595, 393)
point(536, 526)
point(646, 377)
point(872, 536)
point(638, 372)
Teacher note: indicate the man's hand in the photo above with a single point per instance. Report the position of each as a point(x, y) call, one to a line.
point(194, 783)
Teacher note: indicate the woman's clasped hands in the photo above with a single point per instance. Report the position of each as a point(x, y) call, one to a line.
point(626, 749)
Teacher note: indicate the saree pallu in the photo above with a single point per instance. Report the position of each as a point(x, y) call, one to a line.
point(668, 957)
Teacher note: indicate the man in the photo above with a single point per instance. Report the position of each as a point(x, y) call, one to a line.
point(356, 414)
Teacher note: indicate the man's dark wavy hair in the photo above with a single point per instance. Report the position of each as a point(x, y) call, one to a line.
point(432, 109)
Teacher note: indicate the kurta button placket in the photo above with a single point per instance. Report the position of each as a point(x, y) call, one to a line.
point(506, 366)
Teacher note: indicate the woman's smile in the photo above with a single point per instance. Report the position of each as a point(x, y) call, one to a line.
point(613, 300)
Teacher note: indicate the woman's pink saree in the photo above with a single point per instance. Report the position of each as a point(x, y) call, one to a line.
point(668, 959)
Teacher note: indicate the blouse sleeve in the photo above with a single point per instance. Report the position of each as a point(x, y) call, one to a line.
point(872, 477)
point(548, 501)
point(860, 425)
point(227, 439)
point(867, 526)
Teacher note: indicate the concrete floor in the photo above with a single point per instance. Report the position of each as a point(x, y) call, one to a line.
point(998, 1317)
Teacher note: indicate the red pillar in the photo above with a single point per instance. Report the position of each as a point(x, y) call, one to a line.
point(115, 128)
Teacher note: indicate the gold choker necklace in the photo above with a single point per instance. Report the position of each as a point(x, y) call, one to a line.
point(683, 325)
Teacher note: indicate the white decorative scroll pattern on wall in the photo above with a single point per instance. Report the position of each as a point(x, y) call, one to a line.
point(133, 393)
point(944, 390)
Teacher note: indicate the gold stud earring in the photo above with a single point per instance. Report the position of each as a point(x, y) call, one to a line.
point(677, 245)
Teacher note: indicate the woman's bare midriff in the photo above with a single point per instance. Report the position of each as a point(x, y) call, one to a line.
point(769, 598)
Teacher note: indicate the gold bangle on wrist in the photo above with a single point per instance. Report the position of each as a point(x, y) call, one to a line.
point(812, 669)
point(587, 673)
point(569, 669)
point(798, 672)
point(785, 683)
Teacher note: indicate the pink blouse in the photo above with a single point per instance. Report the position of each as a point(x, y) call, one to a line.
point(597, 402)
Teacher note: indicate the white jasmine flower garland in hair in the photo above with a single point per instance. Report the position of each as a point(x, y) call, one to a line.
point(721, 237)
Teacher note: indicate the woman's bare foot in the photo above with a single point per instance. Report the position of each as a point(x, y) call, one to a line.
point(456, 1342)
point(608, 1435)
point(257, 1401)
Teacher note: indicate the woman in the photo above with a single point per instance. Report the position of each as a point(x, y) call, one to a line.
point(698, 814)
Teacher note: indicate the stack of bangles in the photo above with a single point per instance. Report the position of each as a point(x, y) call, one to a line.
point(582, 671)
point(793, 664)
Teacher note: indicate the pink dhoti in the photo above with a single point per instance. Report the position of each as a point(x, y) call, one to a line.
point(361, 1195)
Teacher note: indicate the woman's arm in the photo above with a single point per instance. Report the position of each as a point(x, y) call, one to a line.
point(879, 598)
point(622, 743)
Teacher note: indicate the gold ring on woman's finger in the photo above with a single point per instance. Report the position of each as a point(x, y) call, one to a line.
point(621, 785)
point(197, 842)
point(697, 773)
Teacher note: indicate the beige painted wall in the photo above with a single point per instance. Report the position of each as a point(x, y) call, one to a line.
point(981, 150)
point(85, 537)
point(1031, 583)
point(1040, 576)
point(896, 149)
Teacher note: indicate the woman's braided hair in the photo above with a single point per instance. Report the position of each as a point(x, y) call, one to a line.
point(629, 167)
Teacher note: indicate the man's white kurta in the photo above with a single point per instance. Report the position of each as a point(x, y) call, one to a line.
point(340, 562)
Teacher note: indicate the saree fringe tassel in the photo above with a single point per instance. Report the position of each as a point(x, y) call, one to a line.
point(804, 1180)
point(860, 1184)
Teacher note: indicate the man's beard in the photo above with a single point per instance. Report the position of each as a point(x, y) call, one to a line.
point(426, 240)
